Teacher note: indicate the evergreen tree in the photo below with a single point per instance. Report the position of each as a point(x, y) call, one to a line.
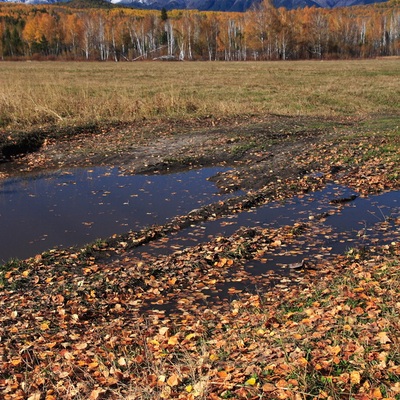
point(164, 14)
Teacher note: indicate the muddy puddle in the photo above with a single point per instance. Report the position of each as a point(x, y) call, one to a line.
point(76, 207)
point(342, 221)
point(342, 218)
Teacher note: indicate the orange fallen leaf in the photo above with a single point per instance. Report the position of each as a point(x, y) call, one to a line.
point(302, 362)
point(377, 394)
point(16, 361)
point(139, 359)
point(173, 380)
point(173, 340)
point(172, 281)
point(95, 394)
point(44, 326)
point(112, 380)
point(333, 350)
point(222, 374)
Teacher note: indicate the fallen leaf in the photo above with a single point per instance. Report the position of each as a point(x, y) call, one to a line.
point(355, 378)
point(173, 380)
point(173, 340)
point(189, 388)
point(268, 387)
point(44, 326)
point(121, 361)
point(383, 338)
point(251, 381)
point(333, 350)
point(95, 394)
point(163, 330)
point(377, 394)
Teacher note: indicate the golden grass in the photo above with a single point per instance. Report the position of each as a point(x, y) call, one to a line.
point(66, 93)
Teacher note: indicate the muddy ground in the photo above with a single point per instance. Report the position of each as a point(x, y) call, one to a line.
point(272, 157)
point(260, 149)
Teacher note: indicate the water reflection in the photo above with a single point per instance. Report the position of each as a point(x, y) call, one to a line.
point(337, 226)
point(78, 206)
point(349, 224)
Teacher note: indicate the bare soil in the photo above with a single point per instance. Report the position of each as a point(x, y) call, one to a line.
point(255, 146)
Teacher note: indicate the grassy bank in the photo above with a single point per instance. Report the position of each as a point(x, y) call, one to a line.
point(35, 94)
point(333, 337)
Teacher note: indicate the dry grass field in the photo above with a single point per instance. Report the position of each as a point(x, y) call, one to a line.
point(34, 94)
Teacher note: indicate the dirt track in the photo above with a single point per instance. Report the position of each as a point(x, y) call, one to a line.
point(254, 146)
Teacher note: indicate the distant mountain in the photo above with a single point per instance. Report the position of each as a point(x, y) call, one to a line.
point(237, 5)
point(211, 5)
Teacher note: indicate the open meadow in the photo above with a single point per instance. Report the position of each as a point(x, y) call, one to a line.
point(33, 93)
point(284, 283)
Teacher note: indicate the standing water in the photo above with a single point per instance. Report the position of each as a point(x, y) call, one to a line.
point(78, 206)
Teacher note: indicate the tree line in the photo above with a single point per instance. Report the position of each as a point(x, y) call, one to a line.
point(262, 33)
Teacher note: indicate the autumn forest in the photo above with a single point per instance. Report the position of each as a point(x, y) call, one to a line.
point(266, 33)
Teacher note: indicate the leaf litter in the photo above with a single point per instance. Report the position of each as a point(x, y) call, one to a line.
point(76, 325)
